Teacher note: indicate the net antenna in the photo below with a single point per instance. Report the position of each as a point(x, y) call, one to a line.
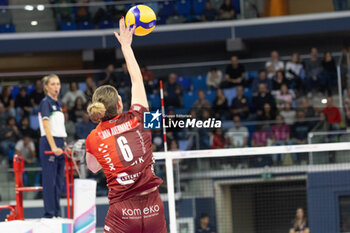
point(169, 170)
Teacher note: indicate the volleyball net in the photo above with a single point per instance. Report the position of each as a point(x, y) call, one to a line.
point(257, 189)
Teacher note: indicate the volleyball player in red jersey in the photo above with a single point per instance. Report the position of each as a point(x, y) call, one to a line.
point(123, 149)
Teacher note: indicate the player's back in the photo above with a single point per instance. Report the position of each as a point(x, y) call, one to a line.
point(124, 150)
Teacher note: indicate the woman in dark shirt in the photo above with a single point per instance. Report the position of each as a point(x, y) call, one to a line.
point(227, 11)
point(220, 105)
point(299, 224)
point(329, 73)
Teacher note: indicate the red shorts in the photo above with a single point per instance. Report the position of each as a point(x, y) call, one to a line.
point(139, 214)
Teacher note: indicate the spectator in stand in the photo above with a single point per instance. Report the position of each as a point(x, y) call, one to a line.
point(309, 110)
point(280, 136)
point(201, 103)
point(261, 98)
point(7, 101)
point(108, 77)
point(70, 128)
point(64, 14)
point(278, 81)
point(240, 104)
point(36, 96)
point(22, 103)
point(274, 65)
point(71, 96)
point(220, 106)
point(90, 88)
point(209, 13)
point(333, 114)
point(214, 78)
point(227, 11)
point(284, 96)
point(313, 69)
point(85, 127)
point(3, 115)
point(299, 224)
point(280, 132)
point(76, 114)
point(148, 79)
point(300, 129)
point(25, 129)
point(218, 139)
point(288, 114)
point(82, 13)
point(261, 79)
point(260, 136)
point(329, 72)
point(204, 225)
point(173, 145)
point(235, 74)
point(10, 134)
point(267, 114)
point(238, 135)
point(294, 70)
point(204, 139)
point(173, 92)
point(25, 147)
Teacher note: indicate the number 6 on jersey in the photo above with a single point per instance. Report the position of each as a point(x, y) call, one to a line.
point(125, 148)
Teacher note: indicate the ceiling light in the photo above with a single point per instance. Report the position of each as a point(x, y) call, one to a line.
point(324, 101)
point(29, 8)
point(34, 23)
point(40, 7)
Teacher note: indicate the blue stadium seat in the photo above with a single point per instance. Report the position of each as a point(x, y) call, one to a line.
point(251, 74)
point(167, 9)
point(106, 24)
point(199, 83)
point(185, 82)
point(198, 7)
point(210, 95)
point(34, 122)
point(230, 93)
point(237, 5)
point(181, 110)
point(14, 91)
point(154, 100)
point(86, 25)
point(6, 28)
point(248, 92)
point(183, 7)
point(189, 98)
point(68, 26)
point(4, 2)
point(82, 86)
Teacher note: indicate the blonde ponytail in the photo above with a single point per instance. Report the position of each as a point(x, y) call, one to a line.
point(96, 111)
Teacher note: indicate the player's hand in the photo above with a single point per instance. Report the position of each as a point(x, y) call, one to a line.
point(125, 33)
point(57, 151)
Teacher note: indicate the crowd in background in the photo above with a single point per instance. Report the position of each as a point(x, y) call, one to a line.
point(272, 104)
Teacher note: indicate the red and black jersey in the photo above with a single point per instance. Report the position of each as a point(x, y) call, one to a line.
point(124, 149)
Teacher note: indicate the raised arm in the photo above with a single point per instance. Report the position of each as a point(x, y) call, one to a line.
point(138, 93)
